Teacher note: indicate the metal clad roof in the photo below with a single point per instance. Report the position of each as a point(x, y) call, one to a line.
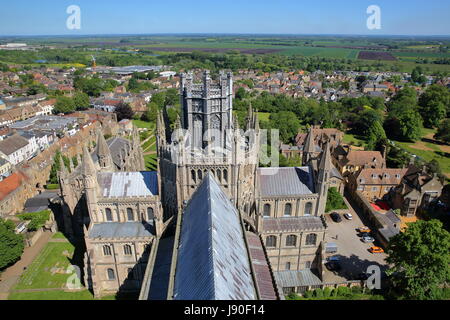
point(309, 223)
point(261, 267)
point(213, 263)
point(128, 184)
point(285, 181)
point(121, 230)
point(297, 278)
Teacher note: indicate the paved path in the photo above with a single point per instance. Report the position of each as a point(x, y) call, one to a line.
point(10, 276)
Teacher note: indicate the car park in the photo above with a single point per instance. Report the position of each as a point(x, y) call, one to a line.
point(348, 216)
point(336, 217)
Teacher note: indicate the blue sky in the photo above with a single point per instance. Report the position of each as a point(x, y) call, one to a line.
point(399, 17)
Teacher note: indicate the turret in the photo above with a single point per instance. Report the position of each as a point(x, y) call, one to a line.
point(309, 148)
point(104, 154)
point(89, 174)
point(324, 174)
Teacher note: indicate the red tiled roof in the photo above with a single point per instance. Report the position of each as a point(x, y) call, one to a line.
point(10, 184)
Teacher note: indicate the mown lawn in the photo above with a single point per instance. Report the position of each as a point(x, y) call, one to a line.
point(56, 295)
point(143, 124)
point(354, 140)
point(150, 162)
point(48, 270)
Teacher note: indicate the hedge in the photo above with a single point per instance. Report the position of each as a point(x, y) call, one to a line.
point(37, 219)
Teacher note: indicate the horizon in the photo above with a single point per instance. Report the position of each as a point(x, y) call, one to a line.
point(264, 17)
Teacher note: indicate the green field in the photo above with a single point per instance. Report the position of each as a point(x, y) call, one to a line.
point(143, 124)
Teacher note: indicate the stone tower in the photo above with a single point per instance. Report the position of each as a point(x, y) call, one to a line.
point(89, 174)
point(207, 109)
point(309, 148)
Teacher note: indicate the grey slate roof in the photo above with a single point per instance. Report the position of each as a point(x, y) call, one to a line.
point(111, 230)
point(213, 263)
point(116, 145)
point(297, 278)
point(12, 144)
point(285, 181)
point(128, 184)
point(304, 223)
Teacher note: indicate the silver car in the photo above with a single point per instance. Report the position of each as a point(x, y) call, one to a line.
point(368, 239)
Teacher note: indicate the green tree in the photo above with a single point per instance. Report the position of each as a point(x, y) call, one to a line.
point(64, 105)
point(434, 104)
point(443, 132)
point(335, 201)
point(124, 111)
point(81, 101)
point(287, 123)
point(11, 244)
point(420, 259)
point(152, 112)
point(376, 136)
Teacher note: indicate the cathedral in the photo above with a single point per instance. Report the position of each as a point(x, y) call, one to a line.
point(209, 223)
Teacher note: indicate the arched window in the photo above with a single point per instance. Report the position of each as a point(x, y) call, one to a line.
point(108, 213)
point(291, 241)
point(127, 250)
point(111, 274)
point(130, 214)
point(308, 209)
point(225, 176)
point(150, 214)
point(193, 176)
point(106, 250)
point(246, 208)
point(288, 209)
point(199, 175)
point(271, 242)
point(267, 210)
point(311, 239)
point(219, 175)
point(308, 264)
point(288, 266)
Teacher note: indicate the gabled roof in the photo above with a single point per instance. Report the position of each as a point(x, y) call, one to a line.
point(128, 184)
point(212, 260)
point(12, 144)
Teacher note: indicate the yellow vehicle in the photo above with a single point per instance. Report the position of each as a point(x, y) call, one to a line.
point(376, 250)
point(364, 230)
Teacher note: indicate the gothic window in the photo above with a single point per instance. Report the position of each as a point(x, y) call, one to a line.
point(215, 122)
point(246, 208)
point(150, 214)
point(127, 250)
point(106, 250)
point(111, 274)
point(311, 239)
point(108, 213)
point(288, 266)
point(308, 265)
point(271, 242)
point(130, 214)
point(219, 175)
point(291, 241)
point(200, 175)
point(193, 176)
point(308, 209)
point(267, 210)
point(288, 209)
point(225, 175)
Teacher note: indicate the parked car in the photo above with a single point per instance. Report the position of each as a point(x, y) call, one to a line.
point(331, 247)
point(367, 238)
point(363, 276)
point(348, 216)
point(334, 259)
point(336, 217)
point(376, 250)
point(21, 227)
point(333, 266)
point(363, 230)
